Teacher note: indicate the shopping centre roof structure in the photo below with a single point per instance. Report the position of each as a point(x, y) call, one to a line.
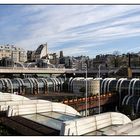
point(65, 119)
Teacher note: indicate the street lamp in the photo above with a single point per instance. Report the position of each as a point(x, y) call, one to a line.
point(99, 75)
point(99, 67)
point(86, 87)
point(99, 88)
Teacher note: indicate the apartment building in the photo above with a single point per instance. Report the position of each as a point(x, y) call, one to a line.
point(15, 53)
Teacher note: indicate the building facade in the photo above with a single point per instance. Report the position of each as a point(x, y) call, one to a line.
point(41, 52)
point(30, 56)
point(53, 59)
point(15, 53)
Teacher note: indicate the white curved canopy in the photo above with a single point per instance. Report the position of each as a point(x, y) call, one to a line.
point(15, 110)
point(85, 125)
point(11, 97)
point(4, 104)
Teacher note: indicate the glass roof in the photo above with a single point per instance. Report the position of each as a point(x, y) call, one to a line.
point(50, 119)
point(101, 131)
point(59, 116)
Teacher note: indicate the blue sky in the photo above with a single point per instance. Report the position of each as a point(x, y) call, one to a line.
point(75, 29)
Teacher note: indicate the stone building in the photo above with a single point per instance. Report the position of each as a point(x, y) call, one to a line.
point(15, 53)
point(41, 52)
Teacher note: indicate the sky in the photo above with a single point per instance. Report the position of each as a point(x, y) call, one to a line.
point(74, 29)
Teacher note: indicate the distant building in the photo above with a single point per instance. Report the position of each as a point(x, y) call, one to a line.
point(100, 59)
point(41, 63)
point(41, 55)
point(67, 61)
point(61, 54)
point(41, 52)
point(30, 56)
point(53, 59)
point(79, 62)
point(15, 53)
point(6, 62)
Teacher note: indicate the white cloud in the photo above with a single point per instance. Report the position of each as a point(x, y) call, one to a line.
point(89, 25)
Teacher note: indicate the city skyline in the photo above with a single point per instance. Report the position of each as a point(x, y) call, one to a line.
point(76, 29)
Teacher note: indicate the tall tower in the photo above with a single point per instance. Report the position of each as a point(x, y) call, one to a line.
point(46, 47)
point(61, 54)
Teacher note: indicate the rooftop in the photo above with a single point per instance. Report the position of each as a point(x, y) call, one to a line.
point(41, 117)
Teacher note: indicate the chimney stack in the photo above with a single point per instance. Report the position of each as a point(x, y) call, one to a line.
point(129, 66)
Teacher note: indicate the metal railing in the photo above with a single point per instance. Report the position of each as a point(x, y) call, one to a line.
point(34, 70)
